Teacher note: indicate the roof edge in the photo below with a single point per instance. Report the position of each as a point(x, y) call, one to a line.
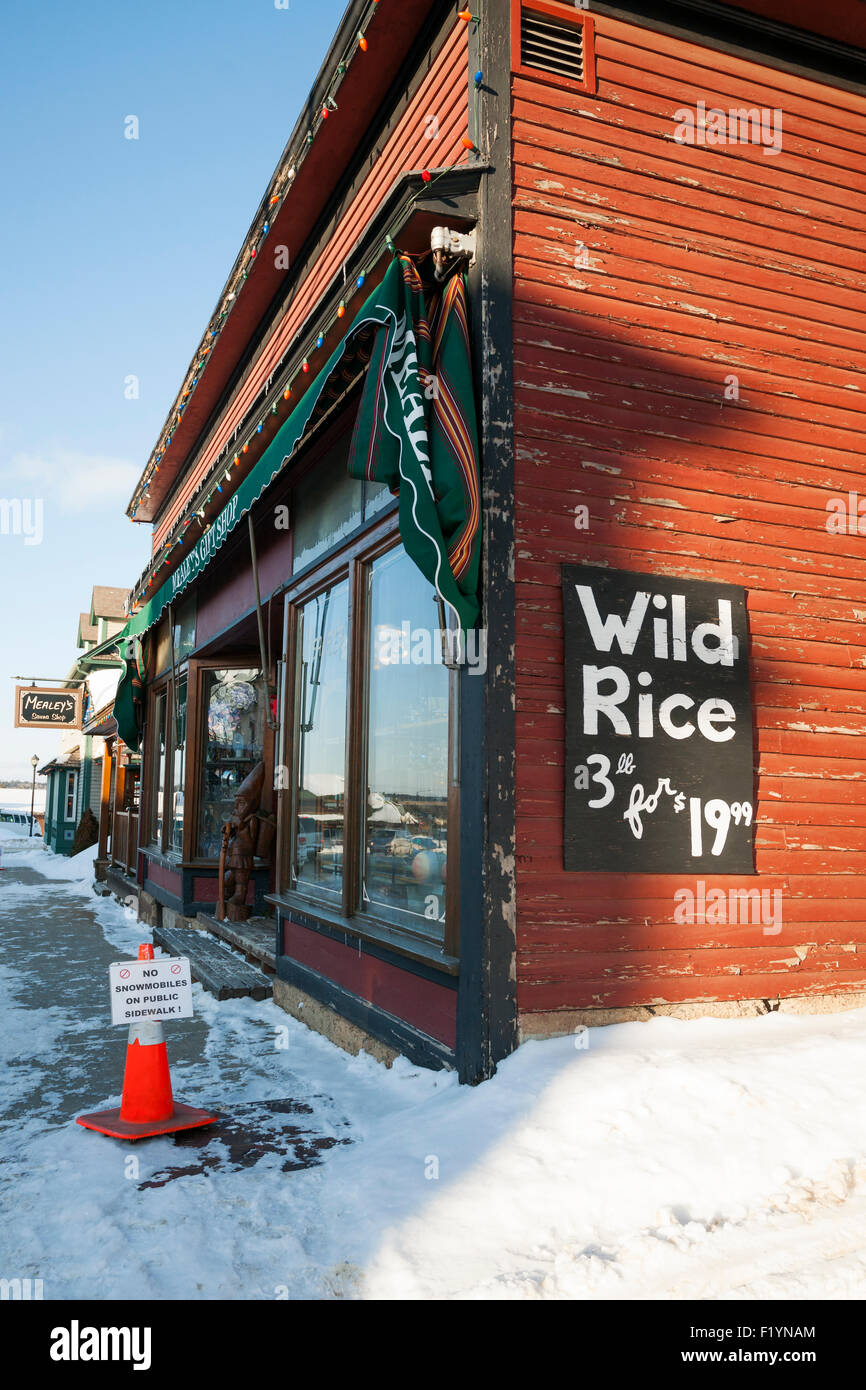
point(357, 19)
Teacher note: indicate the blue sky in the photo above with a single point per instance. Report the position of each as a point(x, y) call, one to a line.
point(114, 252)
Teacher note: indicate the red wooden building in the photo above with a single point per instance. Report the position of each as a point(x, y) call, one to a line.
point(660, 207)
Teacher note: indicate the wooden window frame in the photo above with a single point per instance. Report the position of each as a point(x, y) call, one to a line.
point(70, 793)
point(193, 671)
point(195, 733)
point(352, 562)
point(147, 772)
point(146, 787)
point(148, 779)
point(555, 9)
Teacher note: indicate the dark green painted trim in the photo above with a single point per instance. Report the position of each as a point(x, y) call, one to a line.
point(424, 1051)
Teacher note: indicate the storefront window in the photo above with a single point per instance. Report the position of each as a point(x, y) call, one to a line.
point(329, 505)
point(178, 767)
point(184, 630)
point(319, 793)
point(158, 768)
point(131, 783)
point(234, 703)
point(406, 813)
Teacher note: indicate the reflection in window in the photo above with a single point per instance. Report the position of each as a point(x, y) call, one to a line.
point(317, 854)
point(329, 505)
point(406, 820)
point(184, 631)
point(178, 768)
point(158, 768)
point(376, 496)
point(234, 702)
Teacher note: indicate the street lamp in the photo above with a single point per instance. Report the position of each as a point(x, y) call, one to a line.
point(34, 763)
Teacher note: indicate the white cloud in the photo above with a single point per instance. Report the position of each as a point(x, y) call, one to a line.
point(75, 480)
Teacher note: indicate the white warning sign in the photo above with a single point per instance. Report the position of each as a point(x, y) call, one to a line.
point(150, 989)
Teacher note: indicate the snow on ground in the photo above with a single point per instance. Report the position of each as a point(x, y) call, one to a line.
point(714, 1159)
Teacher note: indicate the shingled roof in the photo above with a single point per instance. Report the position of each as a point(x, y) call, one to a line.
point(106, 602)
point(87, 631)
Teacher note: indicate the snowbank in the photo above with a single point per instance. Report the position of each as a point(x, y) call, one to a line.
point(33, 854)
point(712, 1159)
point(668, 1158)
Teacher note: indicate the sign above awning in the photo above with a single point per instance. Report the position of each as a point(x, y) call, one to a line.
point(316, 402)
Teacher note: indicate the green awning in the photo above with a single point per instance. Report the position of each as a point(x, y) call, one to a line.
point(275, 457)
point(422, 442)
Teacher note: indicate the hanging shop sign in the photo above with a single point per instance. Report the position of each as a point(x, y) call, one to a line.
point(47, 709)
point(659, 760)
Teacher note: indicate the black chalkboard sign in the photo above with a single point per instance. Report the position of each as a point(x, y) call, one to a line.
point(658, 724)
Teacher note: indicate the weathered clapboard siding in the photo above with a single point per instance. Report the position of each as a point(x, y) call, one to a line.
point(408, 146)
point(700, 262)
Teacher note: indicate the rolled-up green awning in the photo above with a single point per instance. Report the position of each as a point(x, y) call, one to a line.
point(128, 700)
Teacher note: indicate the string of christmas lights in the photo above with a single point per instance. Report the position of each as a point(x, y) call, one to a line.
point(213, 483)
point(360, 44)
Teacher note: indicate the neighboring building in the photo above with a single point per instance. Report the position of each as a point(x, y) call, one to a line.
point(108, 611)
point(662, 702)
point(75, 776)
point(63, 808)
point(88, 633)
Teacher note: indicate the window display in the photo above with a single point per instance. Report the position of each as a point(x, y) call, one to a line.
point(374, 760)
point(131, 784)
point(234, 725)
point(184, 630)
point(178, 768)
point(319, 799)
point(406, 814)
point(158, 770)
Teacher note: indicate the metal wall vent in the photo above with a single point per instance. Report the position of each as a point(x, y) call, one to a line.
point(553, 45)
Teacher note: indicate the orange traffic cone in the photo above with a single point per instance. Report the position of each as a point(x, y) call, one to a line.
point(147, 1105)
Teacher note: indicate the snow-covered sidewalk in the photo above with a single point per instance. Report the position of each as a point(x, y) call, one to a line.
point(709, 1159)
